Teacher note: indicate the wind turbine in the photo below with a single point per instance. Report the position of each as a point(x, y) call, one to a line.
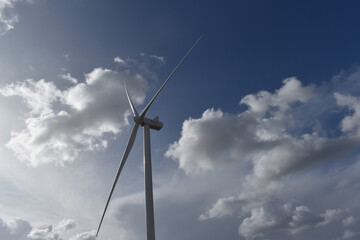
point(148, 124)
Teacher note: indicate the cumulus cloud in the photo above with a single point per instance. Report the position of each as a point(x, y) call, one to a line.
point(272, 138)
point(350, 123)
point(223, 207)
point(217, 137)
point(84, 236)
point(237, 206)
point(43, 232)
point(268, 216)
point(63, 123)
point(48, 232)
point(17, 229)
point(273, 217)
point(292, 91)
point(263, 135)
point(69, 78)
point(205, 141)
point(8, 15)
point(65, 225)
point(38, 96)
point(119, 60)
point(20, 229)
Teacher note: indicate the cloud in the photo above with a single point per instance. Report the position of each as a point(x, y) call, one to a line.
point(119, 60)
point(217, 137)
point(38, 96)
point(264, 135)
point(143, 66)
point(292, 91)
point(69, 78)
point(65, 225)
point(331, 215)
point(20, 229)
point(158, 58)
point(61, 124)
point(237, 206)
point(205, 142)
point(17, 229)
point(84, 236)
point(277, 137)
point(268, 215)
point(350, 220)
point(274, 217)
point(223, 207)
point(348, 234)
point(350, 123)
point(43, 232)
point(8, 15)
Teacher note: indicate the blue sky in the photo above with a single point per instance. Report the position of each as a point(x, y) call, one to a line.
point(261, 122)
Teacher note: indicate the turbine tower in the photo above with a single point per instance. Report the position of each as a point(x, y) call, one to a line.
point(148, 124)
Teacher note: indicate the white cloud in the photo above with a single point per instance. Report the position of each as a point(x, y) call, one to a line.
point(20, 229)
point(234, 206)
point(48, 232)
point(205, 142)
point(38, 96)
point(263, 135)
point(65, 225)
point(119, 60)
point(16, 229)
point(223, 207)
point(275, 139)
point(275, 217)
point(84, 236)
point(350, 220)
point(350, 123)
point(331, 215)
point(43, 232)
point(69, 78)
point(292, 91)
point(62, 124)
point(161, 59)
point(8, 15)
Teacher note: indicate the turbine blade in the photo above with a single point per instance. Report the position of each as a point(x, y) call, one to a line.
point(122, 163)
point(130, 102)
point(142, 114)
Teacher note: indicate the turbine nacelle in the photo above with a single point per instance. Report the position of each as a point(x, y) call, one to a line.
point(153, 123)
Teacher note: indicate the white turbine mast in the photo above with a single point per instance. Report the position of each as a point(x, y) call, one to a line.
point(147, 124)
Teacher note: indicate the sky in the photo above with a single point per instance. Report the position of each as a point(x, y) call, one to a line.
point(261, 122)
